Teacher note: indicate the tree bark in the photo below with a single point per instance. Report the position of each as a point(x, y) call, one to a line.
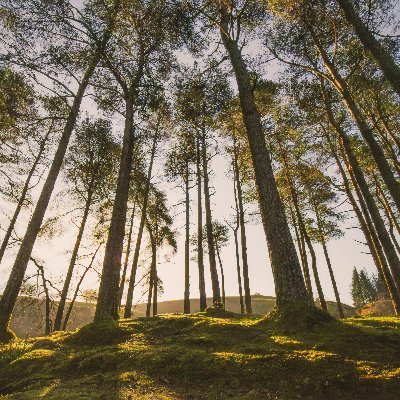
point(132, 279)
point(370, 236)
point(152, 271)
point(222, 272)
point(186, 301)
point(385, 60)
point(23, 195)
point(303, 254)
point(71, 266)
point(329, 264)
point(243, 238)
point(313, 259)
point(108, 299)
point(127, 253)
point(289, 284)
point(210, 235)
point(200, 253)
point(10, 294)
point(355, 169)
point(235, 235)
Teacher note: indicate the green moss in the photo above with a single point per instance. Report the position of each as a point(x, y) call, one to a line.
point(103, 332)
point(7, 336)
point(298, 317)
point(202, 357)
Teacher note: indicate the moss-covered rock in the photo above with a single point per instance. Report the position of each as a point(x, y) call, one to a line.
point(103, 332)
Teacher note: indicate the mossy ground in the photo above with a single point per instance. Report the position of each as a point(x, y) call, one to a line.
point(206, 357)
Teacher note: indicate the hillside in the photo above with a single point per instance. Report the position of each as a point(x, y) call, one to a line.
point(203, 357)
point(27, 318)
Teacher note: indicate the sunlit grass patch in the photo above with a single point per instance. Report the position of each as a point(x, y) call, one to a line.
point(285, 340)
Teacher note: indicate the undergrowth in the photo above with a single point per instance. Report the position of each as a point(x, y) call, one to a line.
point(208, 357)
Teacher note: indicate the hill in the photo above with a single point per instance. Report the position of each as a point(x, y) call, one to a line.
point(27, 318)
point(180, 357)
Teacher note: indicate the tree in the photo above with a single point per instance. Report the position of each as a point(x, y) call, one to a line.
point(356, 290)
point(90, 168)
point(385, 60)
point(178, 166)
point(289, 285)
point(93, 52)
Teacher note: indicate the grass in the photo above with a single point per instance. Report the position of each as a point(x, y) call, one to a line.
point(207, 357)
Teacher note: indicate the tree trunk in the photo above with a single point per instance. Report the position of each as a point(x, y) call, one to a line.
point(155, 291)
point(386, 61)
point(71, 305)
point(108, 299)
point(186, 301)
point(132, 279)
point(152, 270)
point(303, 254)
point(367, 133)
point(370, 236)
point(289, 284)
point(23, 194)
point(10, 294)
point(222, 273)
point(128, 252)
point(200, 253)
point(71, 266)
point(47, 321)
point(210, 235)
point(329, 264)
point(355, 168)
point(235, 235)
point(313, 260)
point(246, 281)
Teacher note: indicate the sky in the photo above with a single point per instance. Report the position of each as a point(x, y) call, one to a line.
point(346, 253)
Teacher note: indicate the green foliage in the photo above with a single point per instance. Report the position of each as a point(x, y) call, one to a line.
point(364, 289)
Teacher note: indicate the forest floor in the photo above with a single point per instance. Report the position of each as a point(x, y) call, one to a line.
point(205, 357)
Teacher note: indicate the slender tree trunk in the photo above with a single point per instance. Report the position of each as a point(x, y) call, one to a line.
point(155, 291)
point(132, 279)
point(209, 229)
point(71, 305)
point(387, 143)
point(235, 235)
point(387, 128)
point(313, 260)
point(10, 294)
point(152, 271)
point(23, 194)
point(243, 237)
point(370, 236)
point(47, 321)
point(186, 301)
point(108, 299)
point(127, 254)
point(71, 266)
point(289, 284)
point(222, 272)
point(329, 264)
point(355, 168)
point(386, 206)
point(303, 254)
point(200, 252)
point(386, 61)
point(377, 153)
